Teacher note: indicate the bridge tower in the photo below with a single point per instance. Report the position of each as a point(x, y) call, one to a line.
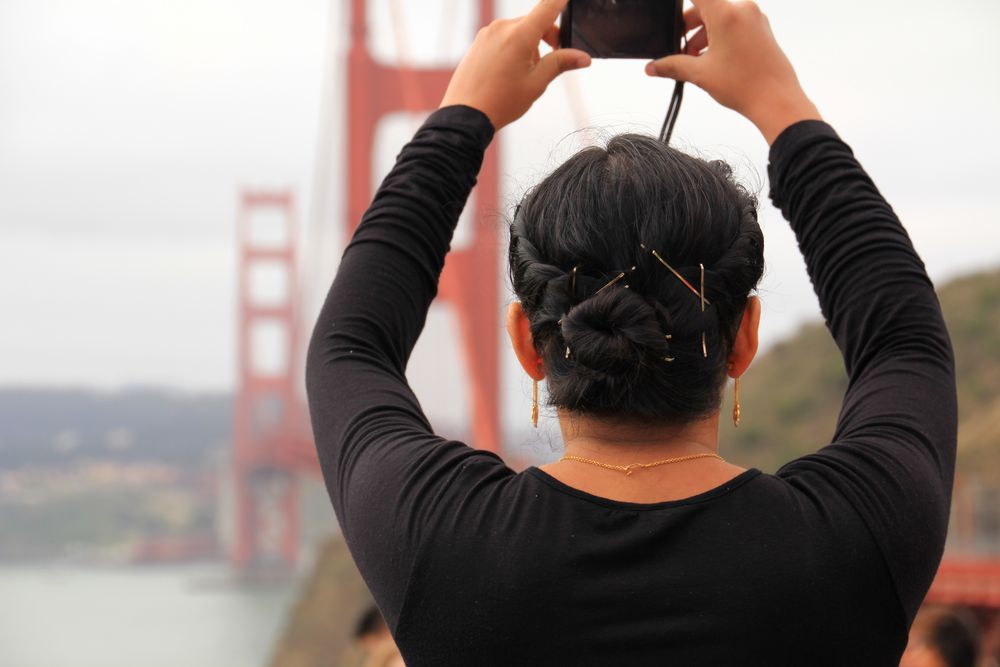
point(272, 446)
point(470, 281)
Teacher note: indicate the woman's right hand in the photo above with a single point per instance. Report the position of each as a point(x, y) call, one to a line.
point(734, 57)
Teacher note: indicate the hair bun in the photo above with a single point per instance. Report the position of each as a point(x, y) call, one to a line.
point(612, 332)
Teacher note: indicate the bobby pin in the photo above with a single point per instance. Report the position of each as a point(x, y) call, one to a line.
point(612, 282)
point(567, 351)
point(572, 282)
point(668, 359)
point(704, 347)
point(700, 295)
point(630, 271)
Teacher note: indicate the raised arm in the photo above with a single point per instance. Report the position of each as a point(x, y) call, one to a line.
point(389, 477)
point(893, 452)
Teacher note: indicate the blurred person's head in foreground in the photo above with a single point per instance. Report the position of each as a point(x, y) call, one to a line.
point(372, 634)
point(370, 627)
point(942, 637)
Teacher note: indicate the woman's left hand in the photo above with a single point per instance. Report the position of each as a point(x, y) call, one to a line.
point(502, 74)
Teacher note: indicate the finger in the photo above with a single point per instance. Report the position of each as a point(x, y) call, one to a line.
point(559, 61)
point(697, 43)
point(551, 36)
point(700, 10)
point(544, 14)
point(692, 19)
point(678, 68)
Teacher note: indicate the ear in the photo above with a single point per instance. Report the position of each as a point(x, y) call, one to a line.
point(519, 330)
point(745, 343)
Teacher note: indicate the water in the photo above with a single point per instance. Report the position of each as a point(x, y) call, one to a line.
point(190, 615)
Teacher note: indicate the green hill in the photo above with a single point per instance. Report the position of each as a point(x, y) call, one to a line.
point(791, 396)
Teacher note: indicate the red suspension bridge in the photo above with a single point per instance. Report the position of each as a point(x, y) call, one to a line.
point(272, 448)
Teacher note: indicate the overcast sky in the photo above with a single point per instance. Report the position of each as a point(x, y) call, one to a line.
point(127, 128)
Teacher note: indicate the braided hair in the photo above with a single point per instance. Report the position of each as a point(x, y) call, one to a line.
point(593, 251)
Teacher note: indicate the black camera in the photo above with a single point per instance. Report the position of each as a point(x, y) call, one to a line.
point(646, 29)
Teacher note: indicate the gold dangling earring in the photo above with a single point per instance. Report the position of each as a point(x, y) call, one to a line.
point(736, 403)
point(534, 404)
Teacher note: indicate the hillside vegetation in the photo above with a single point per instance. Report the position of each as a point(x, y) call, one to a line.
point(790, 397)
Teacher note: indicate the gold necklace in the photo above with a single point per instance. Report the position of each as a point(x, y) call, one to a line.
point(627, 469)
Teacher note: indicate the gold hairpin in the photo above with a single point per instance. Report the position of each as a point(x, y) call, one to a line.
point(668, 337)
point(704, 347)
point(681, 278)
point(702, 292)
point(612, 282)
point(567, 351)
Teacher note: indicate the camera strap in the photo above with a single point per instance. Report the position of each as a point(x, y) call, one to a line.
point(674, 109)
point(672, 112)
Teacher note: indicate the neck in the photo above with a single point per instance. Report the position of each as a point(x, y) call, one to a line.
point(617, 443)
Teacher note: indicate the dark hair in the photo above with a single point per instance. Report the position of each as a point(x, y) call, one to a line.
point(370, 623)
point(633, 350)
point(952, 633)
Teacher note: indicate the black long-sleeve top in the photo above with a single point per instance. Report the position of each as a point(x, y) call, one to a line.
point(823, 563)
